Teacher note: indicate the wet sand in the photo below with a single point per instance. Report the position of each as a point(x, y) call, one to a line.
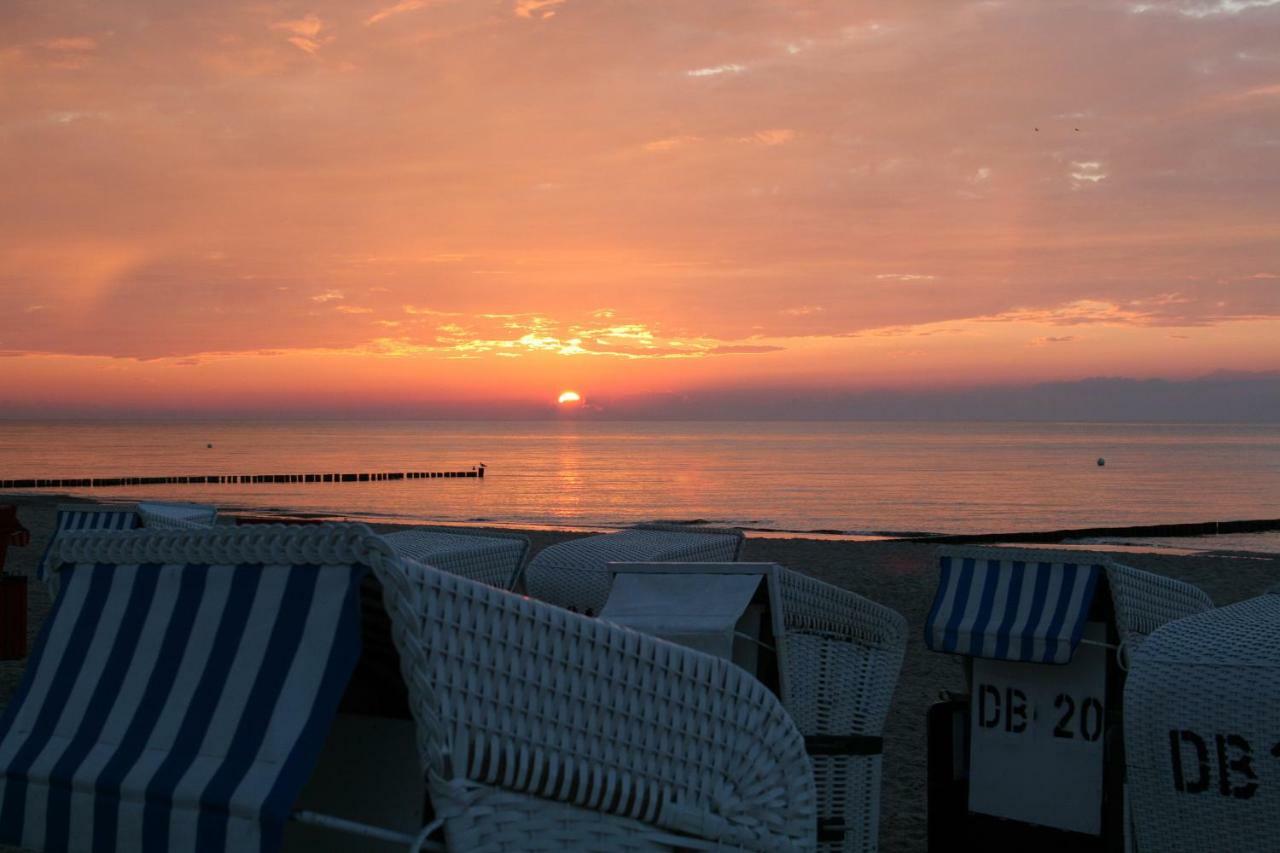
point(897, 574)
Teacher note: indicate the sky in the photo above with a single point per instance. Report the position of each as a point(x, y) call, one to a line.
point(466, 205)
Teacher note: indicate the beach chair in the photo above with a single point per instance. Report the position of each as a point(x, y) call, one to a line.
point(575, 574)
point(1202, 732)
point(832, 656)
point(184, 682)
point(117, 517)
point(493, 559)
point(154, 514)
point(542, 730)
point(111, 517)
point(180, 688)
point(1032, 756)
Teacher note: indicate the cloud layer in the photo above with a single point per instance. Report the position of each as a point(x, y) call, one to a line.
point(644, 195)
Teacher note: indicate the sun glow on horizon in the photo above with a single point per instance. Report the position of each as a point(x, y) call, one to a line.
point(569, 397)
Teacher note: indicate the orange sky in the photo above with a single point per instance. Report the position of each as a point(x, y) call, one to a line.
point(282, 204)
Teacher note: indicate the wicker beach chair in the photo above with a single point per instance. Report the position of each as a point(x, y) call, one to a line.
point(1202, 732)
point(176, 515)
point(575, 574)
point(489, 559)
point(542, 730)
point(1045, 637)
point(841, 654)
point(838, 656)
point(182, 687)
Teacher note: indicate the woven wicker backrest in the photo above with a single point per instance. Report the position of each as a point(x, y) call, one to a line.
point(853, 694)
point(514, 693)
point(1144, 601)
point(1202, 731)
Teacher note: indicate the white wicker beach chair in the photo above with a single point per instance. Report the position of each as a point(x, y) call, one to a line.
point(1007, 611)
point(841, 655)
point(1202, 732)
point(155, 514)
point(489, 559)
point(542, 730)
point(838, 656)
point(575, 574)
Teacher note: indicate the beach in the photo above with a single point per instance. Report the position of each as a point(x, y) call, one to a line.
point(900, 575)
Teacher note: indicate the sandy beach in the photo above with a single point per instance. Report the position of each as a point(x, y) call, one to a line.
point(897, 574)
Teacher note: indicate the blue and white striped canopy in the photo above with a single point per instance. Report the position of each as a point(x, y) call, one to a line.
point(86, 518)
point(1010, 609)
point(176, 707)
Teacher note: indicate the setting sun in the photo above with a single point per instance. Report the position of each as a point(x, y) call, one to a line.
point(569, 397)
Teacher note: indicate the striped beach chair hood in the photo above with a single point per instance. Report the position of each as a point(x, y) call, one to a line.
point(1010, 605)
point(181, 689)
point(1021, 605)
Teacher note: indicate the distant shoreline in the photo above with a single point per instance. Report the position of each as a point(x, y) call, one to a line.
point(1085, 537)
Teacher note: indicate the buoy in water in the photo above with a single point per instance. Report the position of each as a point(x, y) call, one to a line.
point(1101, 462)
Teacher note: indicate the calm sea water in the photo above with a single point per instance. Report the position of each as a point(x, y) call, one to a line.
point(852, 477)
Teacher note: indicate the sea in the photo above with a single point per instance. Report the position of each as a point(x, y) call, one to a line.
point(833, 478)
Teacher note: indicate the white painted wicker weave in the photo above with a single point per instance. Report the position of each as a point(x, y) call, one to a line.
point(543, 730)
point(492, 560)
point(1203, 696)
point(575, 574)
point(1144, 601)
point(176, 516)
point(840, 655)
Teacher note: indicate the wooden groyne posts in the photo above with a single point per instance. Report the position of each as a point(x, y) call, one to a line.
point(237, 479)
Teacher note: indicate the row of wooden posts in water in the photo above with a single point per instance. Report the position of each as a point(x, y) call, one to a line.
point(237, 479)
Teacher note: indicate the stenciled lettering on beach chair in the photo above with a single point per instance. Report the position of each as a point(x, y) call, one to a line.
point(835, 662)
point(1202, 732)
point(575, 574)
point(1035, 749)
point(181, 689)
